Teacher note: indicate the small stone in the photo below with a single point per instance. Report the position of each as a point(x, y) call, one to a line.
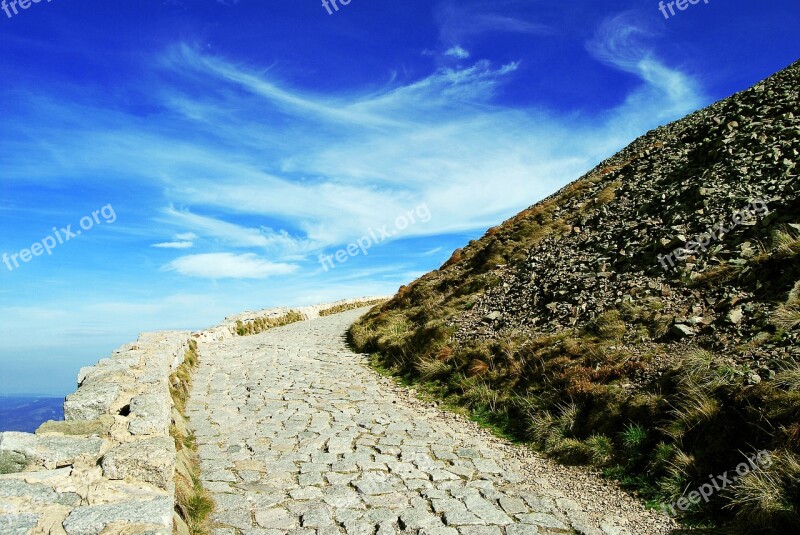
point(682, 331)
point(492, 316)
point(735, 316)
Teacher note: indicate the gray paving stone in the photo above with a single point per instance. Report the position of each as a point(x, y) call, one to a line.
point(544, 520)
point(18, 524)
point(276, 519)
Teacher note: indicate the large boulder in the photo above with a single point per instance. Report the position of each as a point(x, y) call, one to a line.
point(151, 460)
point(91, 401)
point(150, 414)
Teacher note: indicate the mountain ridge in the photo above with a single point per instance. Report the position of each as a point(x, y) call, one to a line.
point(562, 327)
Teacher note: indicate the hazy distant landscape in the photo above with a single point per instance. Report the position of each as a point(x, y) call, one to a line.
point(28, 413)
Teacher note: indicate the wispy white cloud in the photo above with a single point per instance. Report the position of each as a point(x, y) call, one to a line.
point(459, 22)
point(457, 52)
point(622, 42)
point(229, 233)
point(293, 172)
point(229, 266)
point(174, 245)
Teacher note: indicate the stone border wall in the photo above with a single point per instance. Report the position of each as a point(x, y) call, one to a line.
point(227, 329)
point(110, 465)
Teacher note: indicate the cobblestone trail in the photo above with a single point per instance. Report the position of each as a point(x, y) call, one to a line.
point(296, 435)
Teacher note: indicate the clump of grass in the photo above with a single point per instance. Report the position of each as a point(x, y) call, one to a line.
point(608, 326)
point(696, 406)
point(192, 502)
point(786, 317)
point(722, 273)
point(695, 402)
point(785, 244)
point(555, 435)
point(477, 368)
point(181, 379)
point(679, 471)
point(479, 394)
point(350, 306)
point(609, 193)
point(794, 295)
point(548, 430)
point(789, 377)
point(445, 354)
point(431, 368)
point(259, 325)
point(601, 450)
point(769, 496)
point(634, 437)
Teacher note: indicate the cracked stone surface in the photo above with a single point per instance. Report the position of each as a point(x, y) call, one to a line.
point(297, 435)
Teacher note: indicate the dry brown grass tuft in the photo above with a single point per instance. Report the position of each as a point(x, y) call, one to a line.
point(769, 495)
point(445, 354)
point(477, 368)
point(786, 317)
point(609, 193)
point(192, 502)
point(429, 368)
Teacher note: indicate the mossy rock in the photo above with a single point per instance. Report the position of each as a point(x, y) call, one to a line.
point(100, 426)
point(12, 462)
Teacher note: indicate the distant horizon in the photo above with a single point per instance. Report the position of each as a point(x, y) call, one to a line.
point(27, 395)
point(167, 164)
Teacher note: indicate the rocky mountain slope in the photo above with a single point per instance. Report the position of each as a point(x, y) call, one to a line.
point(645, 319)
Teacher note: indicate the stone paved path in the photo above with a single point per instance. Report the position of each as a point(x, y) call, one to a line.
point(297, 436)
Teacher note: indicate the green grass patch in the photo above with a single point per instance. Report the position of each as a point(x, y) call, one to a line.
point(260, 325)
point(193, 503)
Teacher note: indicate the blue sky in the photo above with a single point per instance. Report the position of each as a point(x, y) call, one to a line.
point(236, 141)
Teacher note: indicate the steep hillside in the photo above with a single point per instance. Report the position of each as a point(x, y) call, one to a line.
point(645, 319)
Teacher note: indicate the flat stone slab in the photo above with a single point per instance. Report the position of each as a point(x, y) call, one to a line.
point(18, 524)
point(153, 517)
point(49, 451)
point(36, 493)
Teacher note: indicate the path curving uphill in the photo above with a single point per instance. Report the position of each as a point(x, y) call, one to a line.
point(297, 435)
